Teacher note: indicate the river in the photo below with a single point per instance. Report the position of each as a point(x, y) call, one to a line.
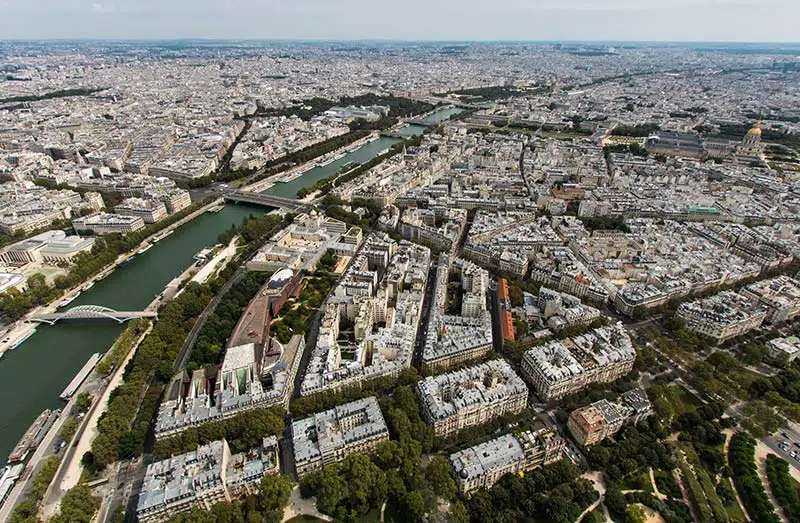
point(33, 376)
point(363, 154)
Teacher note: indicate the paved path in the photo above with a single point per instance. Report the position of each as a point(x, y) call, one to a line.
point(298, 506)
point(219, 261)
point(761, 465)
point(69, 472)
point(599, 485)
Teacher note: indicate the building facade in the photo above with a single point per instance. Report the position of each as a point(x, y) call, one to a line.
point(563, 367)
point(591, 424)
point(203, 478)
point(329, 437)
point(483, 465)
point(471, 396)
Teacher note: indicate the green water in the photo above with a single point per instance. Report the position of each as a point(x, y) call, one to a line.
point(361, 155)
point(34, 375)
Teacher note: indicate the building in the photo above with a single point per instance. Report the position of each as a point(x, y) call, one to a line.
point(203, 478)
point(483, 465)
point(471, 396)
point(563, 367)
point(561, 310)
point(151, 211)
point(456, 339)
point(723, 316)
point(104, 223)
point(329, 437)
point(257, 370)
point(788, 348)
point(301, 245)
point(591, 424)
point(53, 247)
point(780, 296)
point(370, 320)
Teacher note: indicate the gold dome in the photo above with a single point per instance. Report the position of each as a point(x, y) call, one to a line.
point(756, 130)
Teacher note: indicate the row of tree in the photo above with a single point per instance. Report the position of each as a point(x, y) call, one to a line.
point(325, 185)
point(27, 510)
point(308, 109)
point(15, 304)
point(118, 436)
point(243, 432)
point(209, 348)
point(741, 456)
point(784, 487)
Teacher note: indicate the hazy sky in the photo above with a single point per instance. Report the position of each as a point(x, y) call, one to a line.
point(697, 20)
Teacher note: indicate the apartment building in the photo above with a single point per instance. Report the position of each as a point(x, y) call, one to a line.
point(471, 396)
point(723, 316)
point(104, 223)
point(602, 419)
point(203, 478)
point(329, 437)
point(484, 465)
point(563, 367)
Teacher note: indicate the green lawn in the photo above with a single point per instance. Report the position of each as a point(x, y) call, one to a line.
point(735, 512)
point(373, 516)
point(639, 481)
point(682, 400)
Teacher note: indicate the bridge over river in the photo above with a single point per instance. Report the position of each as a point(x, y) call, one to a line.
point(92, 312)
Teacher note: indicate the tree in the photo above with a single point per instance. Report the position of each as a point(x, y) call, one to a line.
point(275, 491)
point(438, 474)
point(635, 514)
point(615, 501)
point(82, 402)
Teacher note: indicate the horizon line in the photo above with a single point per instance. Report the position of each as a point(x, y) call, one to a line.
point(388, 40)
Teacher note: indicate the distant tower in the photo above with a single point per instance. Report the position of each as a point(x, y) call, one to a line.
point(751, 145)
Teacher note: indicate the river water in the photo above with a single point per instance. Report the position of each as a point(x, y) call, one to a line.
point(33, 376)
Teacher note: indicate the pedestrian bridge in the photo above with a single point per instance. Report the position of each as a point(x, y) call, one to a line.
point(92, 312)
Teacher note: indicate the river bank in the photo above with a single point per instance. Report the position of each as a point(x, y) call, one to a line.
point(24, 328)
point(38, 370)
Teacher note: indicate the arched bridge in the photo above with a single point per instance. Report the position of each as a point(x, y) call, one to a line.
point(93, 312)
point(268, 200)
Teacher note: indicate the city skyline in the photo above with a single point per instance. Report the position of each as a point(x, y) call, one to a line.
point(414, 20)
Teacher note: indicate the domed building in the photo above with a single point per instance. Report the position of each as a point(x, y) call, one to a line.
point(751, 144)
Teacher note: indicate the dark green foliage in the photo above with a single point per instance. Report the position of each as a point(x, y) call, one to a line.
point(273, 496)
point(347, 489)
point(26, 511)
point(741, 456)
point(255, 228)
point(636, 131)
point(605, 223)
point(297, 320)
point(209, 348)
point(555, 493)
point(666, 484)
point(153, 361)
point(307, 109)
point(243, 432)
point(14, 304)
point(632, 450)
point(784, 487)
point(77, 506)
point(64, 93)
